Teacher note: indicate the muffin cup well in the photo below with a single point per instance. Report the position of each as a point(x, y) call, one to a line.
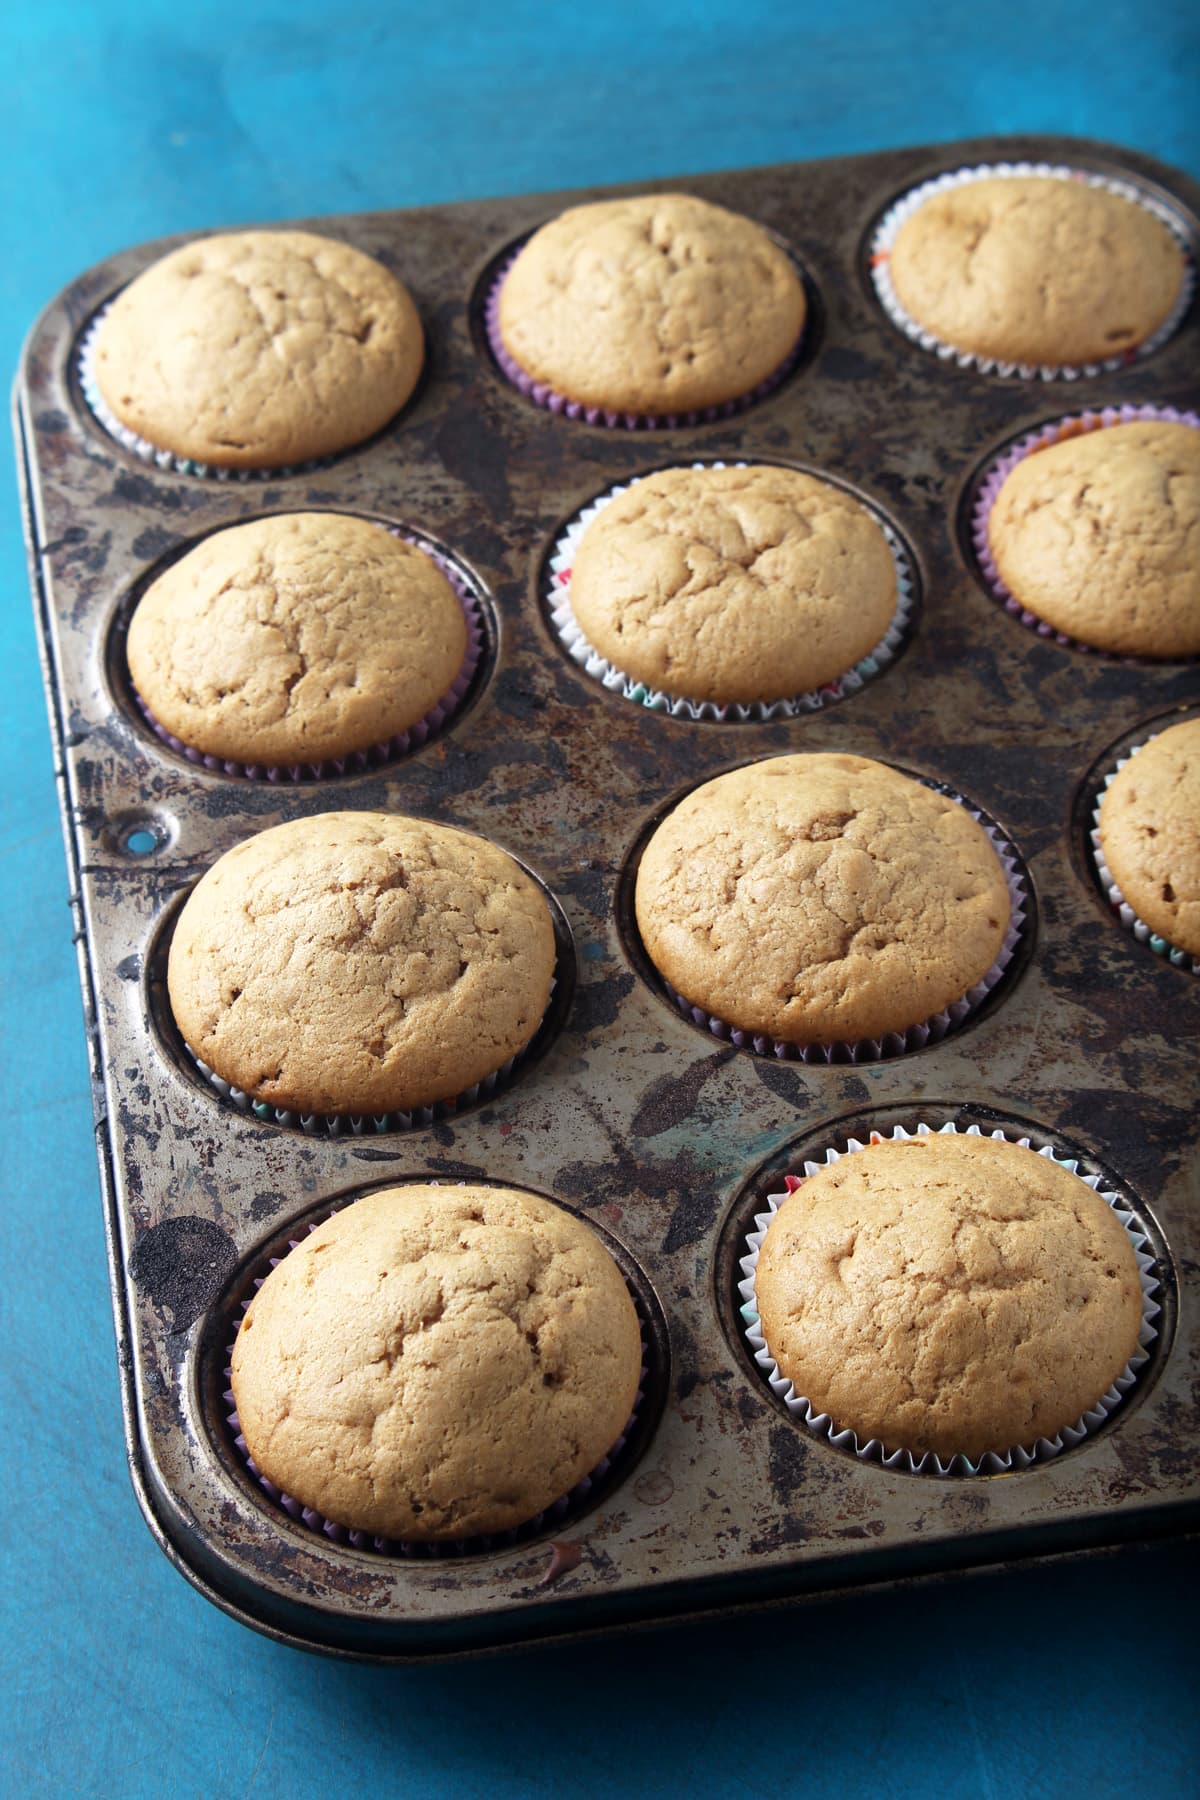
point(1161, 946)
point(996, 473)
point(566, 628)
point(914, 1037)
point(424, 1549)
point(1017, 1456)
point(884, 237)
point(551, 400)
point(375, 756)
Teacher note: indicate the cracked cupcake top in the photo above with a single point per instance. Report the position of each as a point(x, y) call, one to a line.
point(296, 638)
point(953, 1294)
point(821, 899)
point(1036, 270)
point(1150, 833)
point(1100, 536)
point(656, 304)
point(259, 349)
point(360, 963)
point(733, 585)
point(438, 1362)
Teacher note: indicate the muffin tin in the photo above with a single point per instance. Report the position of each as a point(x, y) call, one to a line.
point(666, 1137)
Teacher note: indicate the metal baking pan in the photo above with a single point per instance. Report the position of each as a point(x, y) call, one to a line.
point(662, 1135)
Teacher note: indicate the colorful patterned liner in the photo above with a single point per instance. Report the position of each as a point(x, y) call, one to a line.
point(893, 1043)
point(997, 473)
point(552, 401)
point(1179, 959)
point(1018, 1456)
point(433, 1548)
point(566, 628)
point(885, 236)
point(375, 756)
point(147, 452)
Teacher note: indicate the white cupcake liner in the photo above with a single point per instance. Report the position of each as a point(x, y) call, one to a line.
point(340, 1125)
point(557, 598)
point(375, 756)
point(551, 400)
point(884, 238)
point(998, 472)
point(1018, 1456)
point(147, 452)
point(420, 1548)
point(914, 1037)
point(1161, 946)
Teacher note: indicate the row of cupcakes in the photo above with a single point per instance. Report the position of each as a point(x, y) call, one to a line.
point(942, 1301)
point(271, 350)
point(298, 644)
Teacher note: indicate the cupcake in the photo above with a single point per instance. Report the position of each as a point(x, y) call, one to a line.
point(1041, 270)
point(360, 963)
point(822, 900)
point(437, 1363)
point(1149, 836)
point(1096, 535)
point(948, 1295)
point(297, 639)
point(255, 350)
point(733, 584)
point(655, 306)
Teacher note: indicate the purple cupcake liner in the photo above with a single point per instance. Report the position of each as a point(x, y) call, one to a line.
point(375, 756)
point(431, 1549)
point(551, 400)
point(1017, 1457)
point(892, 1043)
point(997, 473)
point(884, 237)
point(147, 452)
point(1137, 927)
point(557, 600)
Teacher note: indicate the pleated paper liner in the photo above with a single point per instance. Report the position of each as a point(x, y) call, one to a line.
point(374, 756)
point(543, 395)
point(1179, 959)
point(884, 237)
point(558, 1511)
point(997, 472)
point(915, 1037)
point(566, 628)
point(1016, 1457)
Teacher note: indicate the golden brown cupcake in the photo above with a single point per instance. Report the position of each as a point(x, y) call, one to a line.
point(659, 304)
point(258, 350)
point(821, 899)
point(1036, 270)
point(1099, 535)
point(951, 1294)
point(438, 1362)
point(361, 963)
point(296, 638)
point(1150, 834)
point(733, 584)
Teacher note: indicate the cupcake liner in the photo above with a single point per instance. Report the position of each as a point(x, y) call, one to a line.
point(1179, 959)
point(892, 1043)
point(997, 473)
point(340, 1125)
point(375, 756)
point(885, 236)
point(551, 400)
point(1017, 1456)
point(147, 452)
point(423, 1549)
point(567, 630)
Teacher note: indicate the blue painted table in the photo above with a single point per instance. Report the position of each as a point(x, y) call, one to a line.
point(132, 120)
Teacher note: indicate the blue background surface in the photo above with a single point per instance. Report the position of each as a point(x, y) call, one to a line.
point(123, 121)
